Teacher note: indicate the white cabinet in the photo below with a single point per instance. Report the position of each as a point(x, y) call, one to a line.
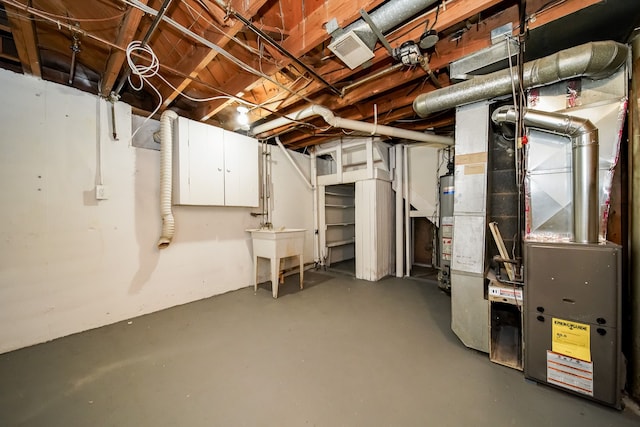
point(213, 167)
point(241, 170)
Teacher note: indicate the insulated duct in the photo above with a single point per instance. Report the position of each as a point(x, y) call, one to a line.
point(166, 177)
point(338, 122)
point(594, 60)
point(386, 17)
point(584, 163)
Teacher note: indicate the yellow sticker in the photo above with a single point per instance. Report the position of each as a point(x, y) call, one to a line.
point(571, 339)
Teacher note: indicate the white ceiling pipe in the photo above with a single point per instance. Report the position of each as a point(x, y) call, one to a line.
point(338, 122)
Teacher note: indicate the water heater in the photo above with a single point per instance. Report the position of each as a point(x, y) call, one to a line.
point(445, 232)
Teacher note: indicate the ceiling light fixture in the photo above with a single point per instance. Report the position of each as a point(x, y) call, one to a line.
point(243, 116)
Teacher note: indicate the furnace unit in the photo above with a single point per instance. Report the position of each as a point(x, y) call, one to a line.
point(573, 289)
point(572, 324)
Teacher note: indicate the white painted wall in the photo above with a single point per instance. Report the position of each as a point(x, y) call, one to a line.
point(68, 262)
point(423, 162)
point(292, 200)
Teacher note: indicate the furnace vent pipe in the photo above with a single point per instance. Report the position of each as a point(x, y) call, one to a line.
point(386, 17)
point(584, 149)
point(338, 122)
point(595, 60)
point(166, 177)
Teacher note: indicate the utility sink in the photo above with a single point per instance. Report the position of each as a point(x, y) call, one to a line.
point(276, 244)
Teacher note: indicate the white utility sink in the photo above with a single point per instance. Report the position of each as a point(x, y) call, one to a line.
point(275, 245)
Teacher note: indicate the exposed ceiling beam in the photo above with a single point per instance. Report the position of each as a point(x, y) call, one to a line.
point(116, 58)
point(305, 36)
point(447, 51)
point(198, 63)
point(7, 56)
point(566, 8)
point(454, 13)
point(24, 36)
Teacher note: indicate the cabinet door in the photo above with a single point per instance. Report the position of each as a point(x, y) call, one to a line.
point(241, 170)
point(206, 164)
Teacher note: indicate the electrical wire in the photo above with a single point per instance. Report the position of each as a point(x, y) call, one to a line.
point(437, 13)
point(132, 53)
point(137, 4)
point(71, 18)
point(144, 73)
point(220, 30)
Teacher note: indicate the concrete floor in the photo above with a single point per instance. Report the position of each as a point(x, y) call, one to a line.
point(342, 352)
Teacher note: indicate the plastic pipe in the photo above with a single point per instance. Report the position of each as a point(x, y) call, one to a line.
point(166, 177)
point(338, 122)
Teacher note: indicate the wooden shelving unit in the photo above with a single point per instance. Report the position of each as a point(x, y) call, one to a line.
point(339, 223)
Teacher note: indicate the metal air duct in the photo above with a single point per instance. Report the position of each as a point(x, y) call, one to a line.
point(595, 60)
point(387, 17)
point(584, 141)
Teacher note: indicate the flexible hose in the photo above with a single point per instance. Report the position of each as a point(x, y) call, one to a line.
point(166, 178)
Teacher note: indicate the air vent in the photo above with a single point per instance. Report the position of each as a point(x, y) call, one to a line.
point(351, 50)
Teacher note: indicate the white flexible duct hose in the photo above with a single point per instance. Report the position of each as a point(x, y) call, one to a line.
point(166, 177)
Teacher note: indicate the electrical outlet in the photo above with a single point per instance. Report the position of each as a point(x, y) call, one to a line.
point(102, 192)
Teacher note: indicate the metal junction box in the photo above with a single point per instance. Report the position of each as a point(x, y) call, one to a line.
point(572, 318)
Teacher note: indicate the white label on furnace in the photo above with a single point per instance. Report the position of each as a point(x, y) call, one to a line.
point(505, 293)
point(446, 249)
point(570, 373)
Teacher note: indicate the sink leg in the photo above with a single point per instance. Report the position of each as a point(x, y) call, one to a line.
point(275, 267)
point(255, 274)
point(301, 272)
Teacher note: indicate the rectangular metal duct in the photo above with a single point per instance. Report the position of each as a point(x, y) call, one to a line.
point(485, 61)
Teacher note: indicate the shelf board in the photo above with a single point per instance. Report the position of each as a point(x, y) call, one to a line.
point(333, 193)
point(339, 206)
point(341, 243)
point(341, 224)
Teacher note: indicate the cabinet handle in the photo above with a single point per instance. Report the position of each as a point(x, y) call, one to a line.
point(228, 170)
point(219, 169)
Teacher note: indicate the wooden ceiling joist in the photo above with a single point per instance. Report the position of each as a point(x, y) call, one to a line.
point(24, 36)
point(198, 63)
point(308, 34)
point(116, 58)
point(456, 12)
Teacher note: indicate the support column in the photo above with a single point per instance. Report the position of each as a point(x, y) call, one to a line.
point(634, 221)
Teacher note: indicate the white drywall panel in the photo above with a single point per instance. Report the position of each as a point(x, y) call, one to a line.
point(423, 175)
point(69, 262)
